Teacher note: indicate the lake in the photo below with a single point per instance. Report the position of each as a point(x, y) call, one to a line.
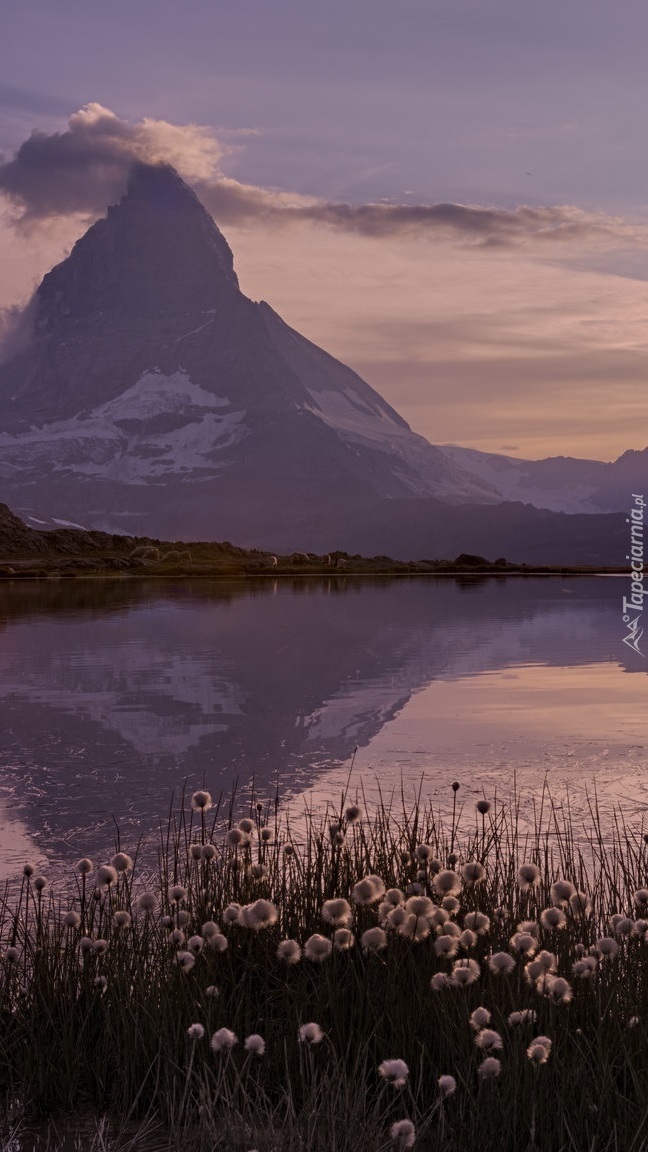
point(114, 693)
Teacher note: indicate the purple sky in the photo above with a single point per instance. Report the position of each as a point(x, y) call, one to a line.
point(538, 344)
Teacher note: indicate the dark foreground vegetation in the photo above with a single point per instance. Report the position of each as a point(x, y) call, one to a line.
point(350, 982)
point(60, 553)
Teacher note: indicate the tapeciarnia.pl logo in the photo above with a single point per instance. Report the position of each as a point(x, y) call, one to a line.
point(632, 617)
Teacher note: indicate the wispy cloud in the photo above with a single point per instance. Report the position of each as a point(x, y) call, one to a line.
point(84, 168)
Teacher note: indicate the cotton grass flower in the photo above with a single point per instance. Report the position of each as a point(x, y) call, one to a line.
point(414, 927)
point(254, 1044)
point(623, 925)
point(541, 965)
point(289, 951)
point(195, 944)
point(310, 1034)
point(424, 852)
point(231, 914)
point(539, 1050)
point(524, 943)
point(223, 1040)
point(106, 874)
point(100, 983)
point(177, 937)
point(146, 902)
point(606, 946)
point(528, 875)
point(524, 1016)
point(488, 1040)
point(560, 891)
point(579, 904)
point(373, 940)
point(99, 946)
point(353, 814)
point(464, 972)
point(207, 852)
point(39, 883)
point(343, 939)
point(473, 872)
point(211, 992)
point(395, 1072)
point(640, 898)
point(439, 982)
point(553, 919)
point(531, 927)
point(403, 1134)
point(317, 948)
point(71, 919)
point(182, 918)
point(446, 882)
point(368, 890)
point(122, 862)
point(555, 988)
point(501, 963)
point(585, 968)
point(195, 1031)
point(201, 801)
point(260, 914)
point(479, 1019)
point(395, 916)
point(447, 1086)
point(337, 912)
point(467, 939)
point(446, 946)
point(12, 954)
point(483, 807)
point(450, 904)
point(420, 906)
point(210, 929)
point(217, 943)
point(489, 1069)
point(477, 922)
point(185, 961)
point(84, 866)
point(195, 851)
point(235, 838)
point(122, 918)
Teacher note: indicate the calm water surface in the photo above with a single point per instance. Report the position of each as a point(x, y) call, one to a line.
point(111, 695)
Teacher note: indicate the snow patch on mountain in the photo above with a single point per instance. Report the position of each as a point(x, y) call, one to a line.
point(161, 425)
point(516, 479)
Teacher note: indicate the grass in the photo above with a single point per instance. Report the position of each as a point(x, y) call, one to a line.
point(99, 1030)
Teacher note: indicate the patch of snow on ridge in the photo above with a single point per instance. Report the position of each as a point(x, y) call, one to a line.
point(157, 427)
point(513, 479)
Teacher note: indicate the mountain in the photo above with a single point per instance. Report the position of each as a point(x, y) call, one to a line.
point(155, 399)
point(559, 483)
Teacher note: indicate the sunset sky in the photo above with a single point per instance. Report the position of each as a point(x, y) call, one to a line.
point(448, 195)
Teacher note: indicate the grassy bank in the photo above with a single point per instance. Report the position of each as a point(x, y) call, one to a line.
point(267, 990)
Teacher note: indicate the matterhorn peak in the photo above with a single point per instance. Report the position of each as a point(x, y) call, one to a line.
point(157, 399)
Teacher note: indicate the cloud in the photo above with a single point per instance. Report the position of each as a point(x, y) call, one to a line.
point(84, 168)
point(16, 329)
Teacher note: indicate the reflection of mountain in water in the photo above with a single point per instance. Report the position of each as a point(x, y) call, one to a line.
point(112, 695)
